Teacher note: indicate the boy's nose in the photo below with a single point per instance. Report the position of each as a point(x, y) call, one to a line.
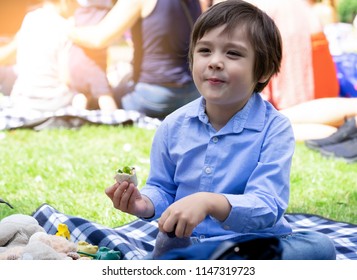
point(215, 64)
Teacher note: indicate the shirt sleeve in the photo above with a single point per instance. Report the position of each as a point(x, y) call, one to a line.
point(160, 188)
point(266, 195)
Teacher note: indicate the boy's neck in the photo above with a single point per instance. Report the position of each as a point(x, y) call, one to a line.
point(219, 116)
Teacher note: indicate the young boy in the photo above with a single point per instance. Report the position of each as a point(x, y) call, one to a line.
point(220, 165)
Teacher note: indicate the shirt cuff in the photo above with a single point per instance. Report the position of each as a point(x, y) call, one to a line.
point(158, 200)
point(240, 214)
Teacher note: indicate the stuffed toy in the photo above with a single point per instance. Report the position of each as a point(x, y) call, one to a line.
point(43, 246)
point(21, 237)
point(16, 230)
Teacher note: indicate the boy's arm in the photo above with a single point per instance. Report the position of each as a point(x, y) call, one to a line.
point(160, 187)
point(266, 195)
point(218, 206)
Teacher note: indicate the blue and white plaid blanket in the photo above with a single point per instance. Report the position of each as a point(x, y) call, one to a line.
point(137, 238)
point(70, 117)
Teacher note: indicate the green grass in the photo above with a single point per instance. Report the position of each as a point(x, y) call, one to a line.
point(323, 186)
point(69, 169)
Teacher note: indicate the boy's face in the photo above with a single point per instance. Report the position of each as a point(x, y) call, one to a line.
point(222, 67)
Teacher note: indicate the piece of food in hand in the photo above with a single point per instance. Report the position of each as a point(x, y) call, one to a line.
point(126, 174)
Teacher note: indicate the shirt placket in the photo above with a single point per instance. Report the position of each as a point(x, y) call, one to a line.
point(210, 163)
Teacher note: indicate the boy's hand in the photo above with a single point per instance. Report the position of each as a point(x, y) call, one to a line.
point(127, 198)
point(185, 214)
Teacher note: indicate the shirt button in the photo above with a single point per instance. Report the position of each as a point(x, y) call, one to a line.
point(208, 170)
point(227, 227)
point(202, 236)
point(215, 139)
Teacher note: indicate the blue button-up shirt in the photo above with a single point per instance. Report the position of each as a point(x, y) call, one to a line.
point(248, 161)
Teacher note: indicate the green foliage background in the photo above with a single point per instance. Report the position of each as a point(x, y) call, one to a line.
point(347, 10)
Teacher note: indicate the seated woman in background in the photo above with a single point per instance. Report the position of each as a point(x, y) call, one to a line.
point(161, 80)
point(87, 67)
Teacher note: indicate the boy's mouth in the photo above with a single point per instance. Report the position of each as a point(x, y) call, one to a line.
point(215, 81)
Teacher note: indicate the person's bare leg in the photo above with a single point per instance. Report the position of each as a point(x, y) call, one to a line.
point(107, 103)
point(80, 101)
point(328, 111)
point(304, 132)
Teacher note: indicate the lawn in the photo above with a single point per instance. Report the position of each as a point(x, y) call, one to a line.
point(69, 169)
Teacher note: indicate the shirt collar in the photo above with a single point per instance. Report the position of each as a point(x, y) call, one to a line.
point(252, 116)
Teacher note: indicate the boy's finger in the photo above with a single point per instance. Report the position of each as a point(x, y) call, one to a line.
point(126, 197)
point(121, 189)
point(180, 229)
point(162, 220)
point(135, 195)
point(167, 222)
point(109, 191)
point(118, 193)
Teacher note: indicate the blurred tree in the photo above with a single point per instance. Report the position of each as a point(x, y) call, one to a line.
point(347, 10)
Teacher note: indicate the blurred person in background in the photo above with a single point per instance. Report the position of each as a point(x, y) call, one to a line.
point(41, 47)
point(307, 89)
point(88, 67)
point(11, 16)
point(7, 65)
point(322, 117)
point(205, 4)
point(160, 31)
point(325, 10)
point(295, 82)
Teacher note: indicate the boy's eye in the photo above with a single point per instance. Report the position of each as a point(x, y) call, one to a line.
point(203, 50)
point(234, 53)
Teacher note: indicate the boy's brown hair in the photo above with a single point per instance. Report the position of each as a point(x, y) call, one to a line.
point(262, 32)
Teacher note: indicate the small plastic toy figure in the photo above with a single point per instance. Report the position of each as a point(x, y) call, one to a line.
point(86, 247)
point(104, 253)
point(62, 230)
